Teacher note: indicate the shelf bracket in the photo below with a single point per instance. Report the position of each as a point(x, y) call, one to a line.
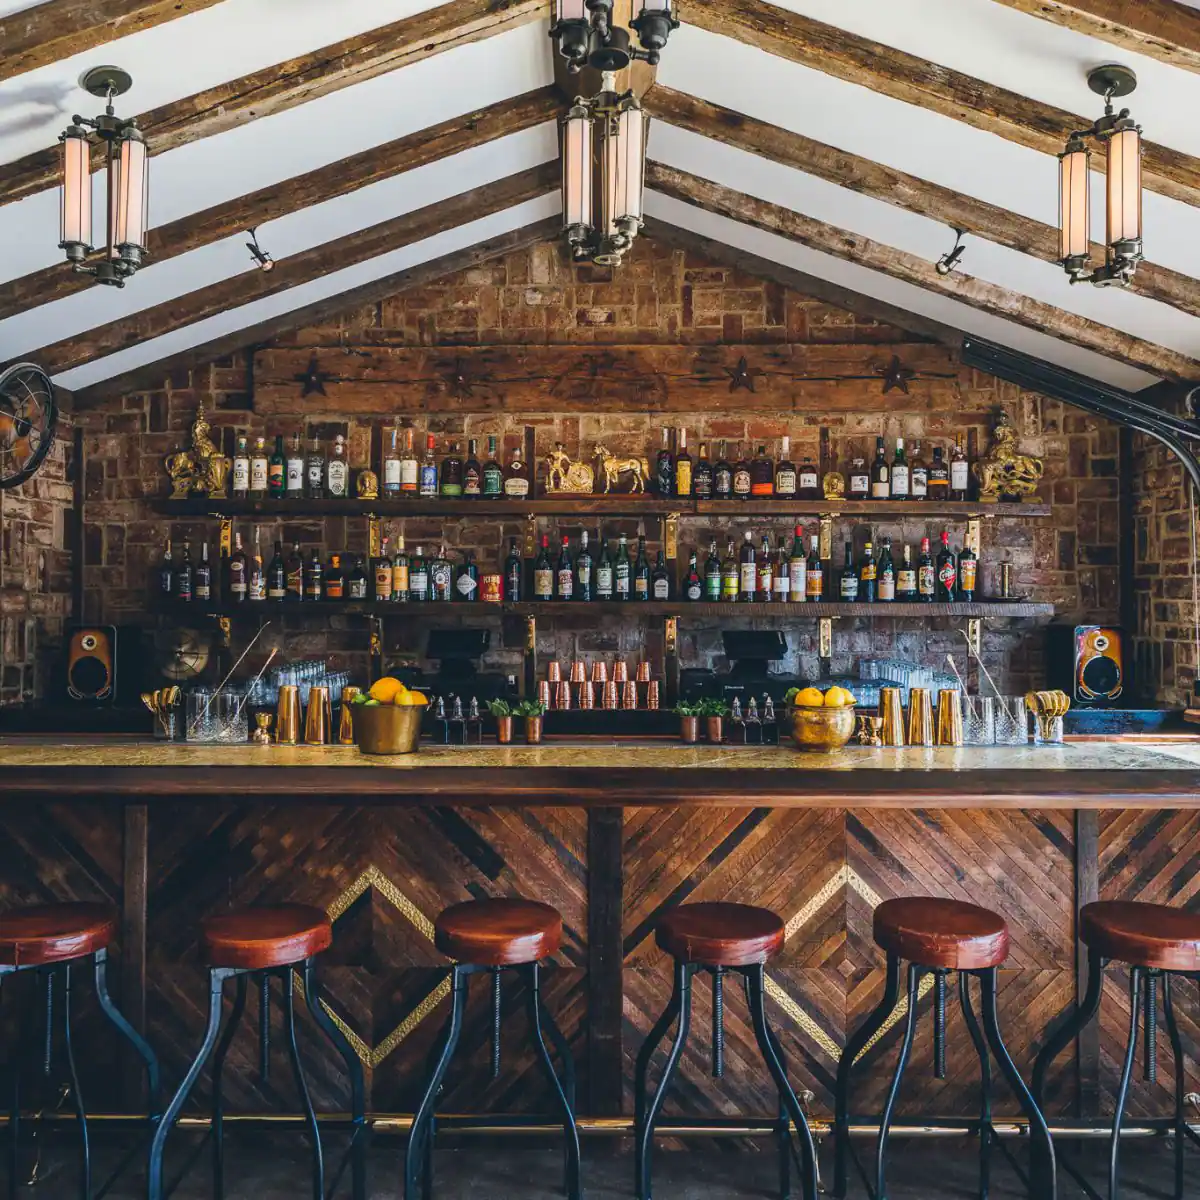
point(825, 544)
point(226, 538)
point(375, 535)
point(671, 635)
point(671, 536)
point(975, 635)
point(531, 529)
point(825, 637)
point(225, 625)
point(671, 660)
point(974, 538)
point(376, 647)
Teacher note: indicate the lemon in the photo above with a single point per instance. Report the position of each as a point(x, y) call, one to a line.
point(409, 699)
point(838, 697)
point(809, 697)
point(386, 690)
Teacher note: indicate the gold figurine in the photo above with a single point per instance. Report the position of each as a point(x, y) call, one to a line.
point(201, 471)
point(567, 478)
point(366, 486)
point(833, 485)
point(1004, 472)
point(613, 468)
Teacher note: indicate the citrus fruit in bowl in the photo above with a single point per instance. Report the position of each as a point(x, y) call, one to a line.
point(387, 719)
point(820, 721)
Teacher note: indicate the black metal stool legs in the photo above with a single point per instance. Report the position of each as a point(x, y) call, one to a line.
point(218, 1108)
point(85, 1150)
point(985, 1085)
point(131, 1035)
point(310, 1117)
point(885, 1122)
point(1181, 1127)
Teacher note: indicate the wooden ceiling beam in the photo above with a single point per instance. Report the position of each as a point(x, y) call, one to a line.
point(46, 33)
point(892, 72)
point(899, 264)
point(296, 269)
point(863, 175)
point(284, 85)
point(1161, 29)
point(152, 375)
point(340, 178)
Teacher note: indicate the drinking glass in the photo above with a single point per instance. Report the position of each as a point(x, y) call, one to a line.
point(1047, 731)
point(1012, 724)
point(979, 720)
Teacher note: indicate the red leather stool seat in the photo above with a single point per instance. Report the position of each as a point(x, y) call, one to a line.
point(948, 934)
point(1144, 935)
point(256, 939)
point(49, 933)
point(720, 935)
point(499, 932)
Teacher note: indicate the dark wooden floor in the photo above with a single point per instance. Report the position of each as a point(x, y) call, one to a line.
point(275, 1167)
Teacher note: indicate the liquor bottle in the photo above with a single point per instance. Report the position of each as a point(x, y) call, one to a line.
point(683, 467)
point(564, 572)
point(926, 575)
point(410, 468)
point(712, 573)
point(466, 582)
point(202, 581)
point(702, 476)
point(182, 589)
point(731, 575)
point(968, 574)
point(918, 475)
point(881, 488)
point(693, 585)
point(960, 472)
point(514, 573)
point(814, 584)
point(472, 471)
point(237, 571)
point(887, 574)
point(722, 475)
point(906, 578)
point(356, 580)
point(583, 569)
point(762, 474)
point(427, 479)
point(900, 477)
point(418, 576)
point(240, 482)
point(868, 576)
point(381, 570)
point(277, 470)
point(293, 576)
point(314, 578)
point(766, 572)
point(748, 570)
point(294, 474)
point(400, 593)
point(258, 470)
point(660, 579)
point(860, 479)
point(516, 482)
point(623, 570)
point(664, 467)
point(543, 572)
point(848, 591)
point(441, 577)
point(390, 474)
point(166, 573)
point(947, 572)
point(798, 569)
point(276, 576)
point(493, 472)
point(641, 569)
point(809, 481)
point(741, 476)
point(314, 471)
point(452, 473)
point(256, 572)
point(785, 472)
point(605, 575)
point(939, 477)
point(337, 470)
point(781, 587)
point(335, 579)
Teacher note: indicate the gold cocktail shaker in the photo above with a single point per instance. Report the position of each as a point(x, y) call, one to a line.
point(287, 715)
point(949, 717)
point(920, 717)
point(318, 722)
point(891, 712)
point(346, 723)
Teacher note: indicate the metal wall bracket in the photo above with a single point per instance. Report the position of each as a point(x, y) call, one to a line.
point(671, 635)
point(226, 537)
point(825, 637)
point(975, 635)
point(375, 535)
point(376, 647)
point(531, 635)
point(825, 542)
point(974, 538)
point(225, 625)
point(531, 531)
point(671, 535)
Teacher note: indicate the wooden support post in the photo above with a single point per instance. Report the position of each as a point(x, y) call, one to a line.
point(605, 893)
point(134, 888)
point(1087, 889)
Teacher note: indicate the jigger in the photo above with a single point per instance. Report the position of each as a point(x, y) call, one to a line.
point(891, 712)
point(318, 723)
point(949, 717)
point(920, 717)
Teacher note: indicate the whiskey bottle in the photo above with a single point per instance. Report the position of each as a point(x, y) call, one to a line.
point(202, 581)
point(731, 576)
point(356, 580)
point(314, 471)
point(702, 476)
point(258, 470)
point(641, 569)
point(712, 573)
point(277, 471)
point(410, 468)
point(766, 572)
point(722, 475)
point(814, 584)
point(255, 573)
point(390, 474)
point(860, 479)
point(693, 585)
point(664, 467)
point(926, 575)
point(166, 573)
point(337, 471)
point(493, 472)
point(886, 592)
point(782, 585)
point(939, 477)
point(683, 467)
point(605, 575)
point(960, 472)
point(906, 578)
point(335, 579)
point(918, 475)
point(418, 576)
point(564, 572)
point(452, 473)
point(848, 591)
point(514, 573)
point(472, 471)
point(798, 569)
point(968, 574)
point(623, 570)
point(947, 572)
point(441, 577)
point(240, 480)
point(466, 580)
point(868, 576)
point(276, 576)
point(881, 488)
point(182, 588)
point(293, 582)
point(237, 571)
point(295, 469)
point(543, 572)
point(762, 474)
point(400, 566)
point(660, 578)
point(583, 569)
point(741, 476)
point(785, 472)
point(748, 572)
point(809, 481)
point(314, 578)
point(516, 482)
point(427, 476)
point(900, 477)
point(381, 570)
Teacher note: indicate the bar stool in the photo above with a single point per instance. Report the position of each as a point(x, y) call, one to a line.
point(263, 944)
point(493, 936)
point(47, 940)
point(937, 936)
point(1156, 942)
point(719, 938)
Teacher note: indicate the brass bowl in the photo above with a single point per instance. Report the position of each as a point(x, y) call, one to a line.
point(387, 728)
point(819, 728)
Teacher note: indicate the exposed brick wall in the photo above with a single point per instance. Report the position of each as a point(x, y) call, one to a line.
point(662, 296)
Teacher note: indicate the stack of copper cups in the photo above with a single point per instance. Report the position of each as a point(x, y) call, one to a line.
point(585, 697)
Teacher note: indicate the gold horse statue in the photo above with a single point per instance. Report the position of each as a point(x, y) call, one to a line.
point(613, 468)
point(203, 470)
point(567, 477)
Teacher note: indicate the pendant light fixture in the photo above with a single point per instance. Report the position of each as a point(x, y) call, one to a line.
point(586, 35)
point(127, 208)
point(1121, 138)
point(604, 161)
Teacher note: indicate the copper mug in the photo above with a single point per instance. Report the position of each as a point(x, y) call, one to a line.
point(610, 694)
point(949, 717)
point(652, 695)
point(629, 694)
point(318, 721)
point(543, 693)
point(599, 672)
point(346, 723)
point(620, 671)
point(578, 671)
point(287, 715)
point(920, 717)
point(891, 712)
point(554, 672)
point(642, 674)
point(562, 694)
point(585, 695)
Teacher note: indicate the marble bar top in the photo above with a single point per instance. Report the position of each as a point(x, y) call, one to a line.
point(1142, 773)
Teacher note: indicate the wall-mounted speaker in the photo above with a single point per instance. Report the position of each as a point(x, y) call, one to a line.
point(92, 664)
point(1088, 663)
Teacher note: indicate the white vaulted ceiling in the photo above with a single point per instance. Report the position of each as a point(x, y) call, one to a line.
point(988, 40)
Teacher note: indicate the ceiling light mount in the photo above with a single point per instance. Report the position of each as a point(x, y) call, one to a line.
point(587, 37)
point(953, 256)
point(261, 257)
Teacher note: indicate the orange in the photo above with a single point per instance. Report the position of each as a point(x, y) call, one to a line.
point(386, 690)
point(411, 698)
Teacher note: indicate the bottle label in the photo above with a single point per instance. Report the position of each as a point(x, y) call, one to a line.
point(729, 586)
point(695, 590)
point(439, 577)
point(295, 581)
point(604, 582)
point(543, 584)
point(622, 580)
point(947, 576)
point(516, 485)
point(749, 578)
point(887, 585)
point(869, 572)
point(880, 489)
point(406, 474)
point(237, 581)
point(683, 478)
point(808, 481)
point(451, 489)
point(906, 582)
point(662, 589)
point(275, 591)
point(814, 584)
point(968, 567)
point(420, 583)
point(241, 474)
point(383, 581)
point(399, 579)
point(203, 589)
point(641, 587)
point(959, 475)
point(358, 588)
point(798, 578)
point(860, 485)
point(712, 586)
point(428, 484)
point(765, 487)
point(391, 474)
point(849, 586)
point(919, 482)
point(258, 585)
point(295, 475)
point(723, 482)
point(899, 481)
point(566, 584)
point(741, 483)
point(472, 484)
point(258, 475)
point(493, 482)
point(275, 477)
point(785, 482)
point(334, 589)
point(781, 585)
point(702, 486)
point(583, 574)
point(337, 478)
point(766, 580)
point(466, 586)
point(313, 588)
point(925, 579)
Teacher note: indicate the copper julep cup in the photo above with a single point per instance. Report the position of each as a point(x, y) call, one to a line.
point(543, 693)
point(318, 721)
point(578, 671)
point(562, 694)
point(610, 695)
point(920, 717)
point(287, 715)
point(585, 695)
point(642, 674)
point(599, 672)
point(620, 671)
point(949, 717)
point(891, 712)
point(346, 723)
point(652, 695)
point(554, 671)
point(629, 694)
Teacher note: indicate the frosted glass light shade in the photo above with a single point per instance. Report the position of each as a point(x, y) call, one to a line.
point(75, 225)
point(577, 168)
point(130, 198)
point(1073, 217)
point(1124, 188)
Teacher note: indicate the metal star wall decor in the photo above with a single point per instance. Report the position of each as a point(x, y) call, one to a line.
point(743, 375)
point(895, 375)
point(460, 380)
point(313, 378)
